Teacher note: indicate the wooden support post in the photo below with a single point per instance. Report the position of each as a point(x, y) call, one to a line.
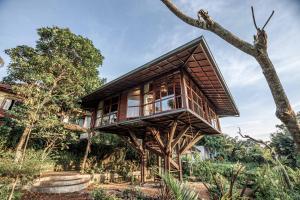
point(179, 165)
point(159, 165)
point(191, 143)
point(183, 89)
point(171, 136)
point(143, 167)
point(167, 166)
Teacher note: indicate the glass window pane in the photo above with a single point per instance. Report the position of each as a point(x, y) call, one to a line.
point(133, 112)
point(148, 109)
point(133, 101)
point(7, 104)
point(163, 90)
point(167, 104)
point(157, 106)
point(170, 90)
point(178, 102)
point(113, 118)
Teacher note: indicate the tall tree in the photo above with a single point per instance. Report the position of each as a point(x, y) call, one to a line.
point(51, 77)
point(258, 50)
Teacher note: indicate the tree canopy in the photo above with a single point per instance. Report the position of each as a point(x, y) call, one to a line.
point(50, 78)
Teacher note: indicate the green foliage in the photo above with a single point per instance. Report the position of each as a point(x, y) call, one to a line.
point(5, 190)
point(270, 185)
point(66, 161)
point(179, 191)
point(31, 167)
point(284, 146)
point(100, 194)
point(134, 193)
point(50, 78)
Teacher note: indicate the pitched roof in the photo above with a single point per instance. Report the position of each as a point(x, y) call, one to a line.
point(195, 57)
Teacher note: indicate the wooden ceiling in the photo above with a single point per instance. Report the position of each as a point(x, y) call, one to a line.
point(195, 57)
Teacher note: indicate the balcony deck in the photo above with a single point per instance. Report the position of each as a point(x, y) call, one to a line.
point(161, 120)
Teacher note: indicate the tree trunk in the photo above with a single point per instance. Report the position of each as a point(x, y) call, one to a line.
point(284, 111)
point(20, 145)
point(87, 150)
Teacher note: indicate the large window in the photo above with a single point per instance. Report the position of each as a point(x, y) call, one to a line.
point(162, 95)
point(148, 99)
point(197, 102)
point(107, 112)
point(133, 103)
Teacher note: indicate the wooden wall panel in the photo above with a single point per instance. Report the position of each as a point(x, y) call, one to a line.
point(123, 106)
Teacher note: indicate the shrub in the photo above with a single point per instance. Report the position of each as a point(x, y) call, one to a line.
point(100, 194)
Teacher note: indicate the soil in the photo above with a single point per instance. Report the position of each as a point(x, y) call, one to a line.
point(82, 195)
point(150, 190)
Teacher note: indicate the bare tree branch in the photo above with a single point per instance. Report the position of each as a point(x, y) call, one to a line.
point(208, 24)
point(284, 111)
point(268, 20)
point(253, 17)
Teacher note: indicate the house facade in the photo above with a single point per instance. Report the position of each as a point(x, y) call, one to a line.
point(7, 99)
point(165, 106)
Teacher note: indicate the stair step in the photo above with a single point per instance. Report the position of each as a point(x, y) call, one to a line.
point(61, 188)
point(60, 182)
point(64, 177)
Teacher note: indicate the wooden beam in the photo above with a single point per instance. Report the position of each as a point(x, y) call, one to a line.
point(179, 136)
point(75, 127)
point(135, 141)
point(131, 144)
point(161, 154)
point(174, 164)
point(170, 139)
point(191, 143)
point(156, 135)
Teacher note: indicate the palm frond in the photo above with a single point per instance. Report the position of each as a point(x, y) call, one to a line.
point(180, 191)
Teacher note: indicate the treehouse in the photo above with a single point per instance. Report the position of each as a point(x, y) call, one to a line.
point(165, 106)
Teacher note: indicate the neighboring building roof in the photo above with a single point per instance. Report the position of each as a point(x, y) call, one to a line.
point(195, 57)
point(5, 88)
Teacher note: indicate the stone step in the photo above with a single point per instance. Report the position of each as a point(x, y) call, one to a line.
point(60, 182)
point(63, 177)
point(62, 173)
point(61, 188)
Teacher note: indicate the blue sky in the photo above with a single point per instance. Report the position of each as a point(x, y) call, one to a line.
point(133, 32)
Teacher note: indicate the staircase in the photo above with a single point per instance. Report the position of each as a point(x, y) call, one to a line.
point(60, 182)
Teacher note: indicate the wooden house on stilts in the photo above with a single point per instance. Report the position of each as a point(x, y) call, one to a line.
point(165, 106)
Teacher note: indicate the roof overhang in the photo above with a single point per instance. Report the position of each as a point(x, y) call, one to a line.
point(198, 61)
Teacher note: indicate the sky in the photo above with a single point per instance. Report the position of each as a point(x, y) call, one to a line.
point(133, 32)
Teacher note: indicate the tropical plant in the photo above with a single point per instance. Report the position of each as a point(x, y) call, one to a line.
point(283, 144)
point(178, 190)
point(100, 194)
